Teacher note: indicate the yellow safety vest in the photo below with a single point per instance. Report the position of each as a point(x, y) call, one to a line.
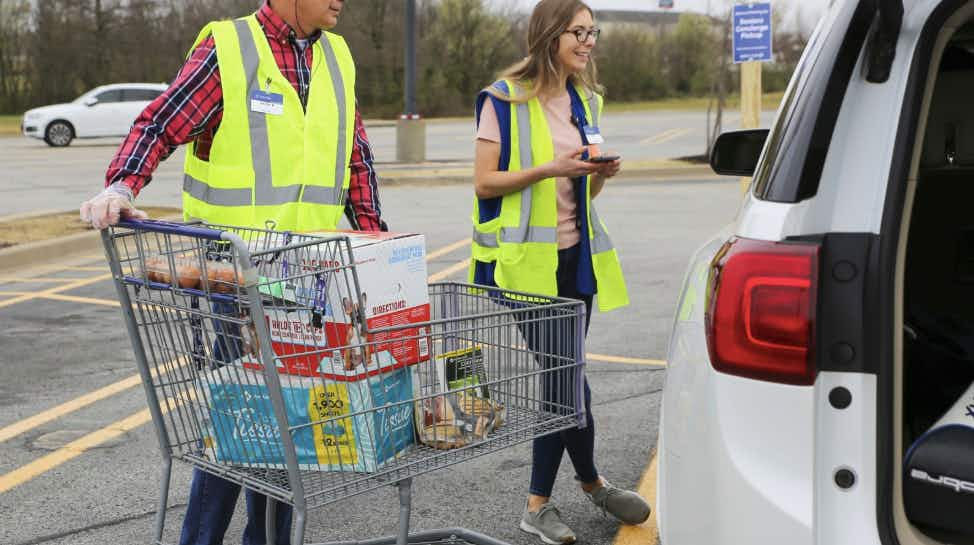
point(522, 241)
point(289, 166)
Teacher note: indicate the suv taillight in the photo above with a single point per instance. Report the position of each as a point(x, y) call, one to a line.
point(761, 310)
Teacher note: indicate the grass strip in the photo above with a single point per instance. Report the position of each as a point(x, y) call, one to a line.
point(48, 226)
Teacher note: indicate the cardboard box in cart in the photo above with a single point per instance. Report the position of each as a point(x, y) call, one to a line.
point(242, 429)
point(329, 366)
point(393, 291)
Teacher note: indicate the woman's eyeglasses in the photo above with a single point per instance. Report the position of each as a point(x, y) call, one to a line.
point(582, 35)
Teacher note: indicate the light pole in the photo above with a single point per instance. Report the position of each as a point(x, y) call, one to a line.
point(410, 128)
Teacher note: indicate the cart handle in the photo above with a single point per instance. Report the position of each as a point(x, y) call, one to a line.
point(172, 228)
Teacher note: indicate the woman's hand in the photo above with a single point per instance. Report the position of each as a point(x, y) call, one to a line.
point(610, 169)
point(570, 165)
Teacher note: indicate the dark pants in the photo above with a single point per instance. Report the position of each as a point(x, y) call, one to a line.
point(212, 499)
point(547, 337)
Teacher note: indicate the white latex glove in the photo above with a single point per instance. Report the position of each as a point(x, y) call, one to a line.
point(110, 206)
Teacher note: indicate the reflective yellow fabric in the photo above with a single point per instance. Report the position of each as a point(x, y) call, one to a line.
point(289, 167)
point(525, 249)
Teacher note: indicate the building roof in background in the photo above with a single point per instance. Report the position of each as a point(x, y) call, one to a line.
point(630, 16)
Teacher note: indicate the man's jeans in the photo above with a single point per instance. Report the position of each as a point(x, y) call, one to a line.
point(212, 499)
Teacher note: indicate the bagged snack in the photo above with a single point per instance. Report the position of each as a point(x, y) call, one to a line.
point(453, 419)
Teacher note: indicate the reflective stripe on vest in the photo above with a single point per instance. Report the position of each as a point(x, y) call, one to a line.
point(501, 240)
point(600, 239)
point(264, 192)
point(524, 232)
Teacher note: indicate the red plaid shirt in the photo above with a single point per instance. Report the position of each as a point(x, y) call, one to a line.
point(192, 108)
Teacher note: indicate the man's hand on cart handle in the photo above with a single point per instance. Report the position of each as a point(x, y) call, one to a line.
point(110, 206)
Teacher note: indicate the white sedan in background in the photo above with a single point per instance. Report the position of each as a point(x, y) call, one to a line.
point(108, 110)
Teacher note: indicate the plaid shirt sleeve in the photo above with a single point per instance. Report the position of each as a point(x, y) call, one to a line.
point(192, 105)
point(362, 205)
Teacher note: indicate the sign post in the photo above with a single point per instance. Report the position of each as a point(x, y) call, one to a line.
point(411, 127)
point(752, 46)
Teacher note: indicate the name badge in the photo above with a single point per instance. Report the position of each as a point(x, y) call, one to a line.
point(593, 135)
point(266, 102)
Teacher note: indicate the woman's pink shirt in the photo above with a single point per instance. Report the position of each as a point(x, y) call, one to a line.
point(565, 137)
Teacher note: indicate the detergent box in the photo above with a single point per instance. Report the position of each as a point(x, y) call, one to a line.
point(318, 331)
point(242, 429)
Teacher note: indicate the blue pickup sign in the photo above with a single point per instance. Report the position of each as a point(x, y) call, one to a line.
point(752, 32)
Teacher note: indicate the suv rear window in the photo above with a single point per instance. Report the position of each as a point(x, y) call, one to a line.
point(791, 166)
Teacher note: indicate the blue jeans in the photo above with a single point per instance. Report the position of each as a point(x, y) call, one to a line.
point(557, 387)
point(213, 499)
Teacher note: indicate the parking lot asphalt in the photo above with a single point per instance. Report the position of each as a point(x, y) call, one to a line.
point(79, 462)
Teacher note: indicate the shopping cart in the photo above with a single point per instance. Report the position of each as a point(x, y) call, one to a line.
point(323, 418)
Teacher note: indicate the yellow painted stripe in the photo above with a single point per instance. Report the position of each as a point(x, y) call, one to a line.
point(27, 424)
point(624, 359)
point(456, 267)
point(77, 403)
point(71, 451)
point(673, 136)
point(447, 249)
point(666, 136)
point(35, 280)
point(655, 137)
point(86, 269)
point(646, 533)
point(61, 297)
point(53, 413)
point(76, 299)
point(51, 291)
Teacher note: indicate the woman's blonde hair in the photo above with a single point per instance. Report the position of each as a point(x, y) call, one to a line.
point(539, 70)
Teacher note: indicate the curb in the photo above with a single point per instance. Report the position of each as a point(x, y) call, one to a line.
point(24, 256)
point(449, 176)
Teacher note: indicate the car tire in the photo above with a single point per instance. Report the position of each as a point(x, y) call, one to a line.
point(58, 134)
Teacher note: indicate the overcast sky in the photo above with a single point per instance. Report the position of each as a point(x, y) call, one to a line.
point(808, 11)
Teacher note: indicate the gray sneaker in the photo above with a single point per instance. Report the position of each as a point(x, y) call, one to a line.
point(625, 505)
point(547, 525)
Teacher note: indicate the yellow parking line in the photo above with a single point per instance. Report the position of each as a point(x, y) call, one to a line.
point(54, 413)
point(76, 299)
point(52, 291)
point(70, 406)
point(35, 280)
point(60, 297)
point(85, 268)
point(655, 137)
point(447, 249)
point(646, 533)
point(79, 446)
point(624, 359)
point(77, 403)
point(72, 450)
point(456, 267)
point(666, 136)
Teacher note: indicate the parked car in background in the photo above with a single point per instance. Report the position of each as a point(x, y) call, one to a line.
point(108, 110)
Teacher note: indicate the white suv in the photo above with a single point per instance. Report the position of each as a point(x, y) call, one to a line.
point(826, 330)
point(108, 110)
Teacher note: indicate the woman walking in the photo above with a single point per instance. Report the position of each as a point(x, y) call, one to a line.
point(537, 169)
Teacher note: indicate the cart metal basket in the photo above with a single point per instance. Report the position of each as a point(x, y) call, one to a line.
point(330, 415)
